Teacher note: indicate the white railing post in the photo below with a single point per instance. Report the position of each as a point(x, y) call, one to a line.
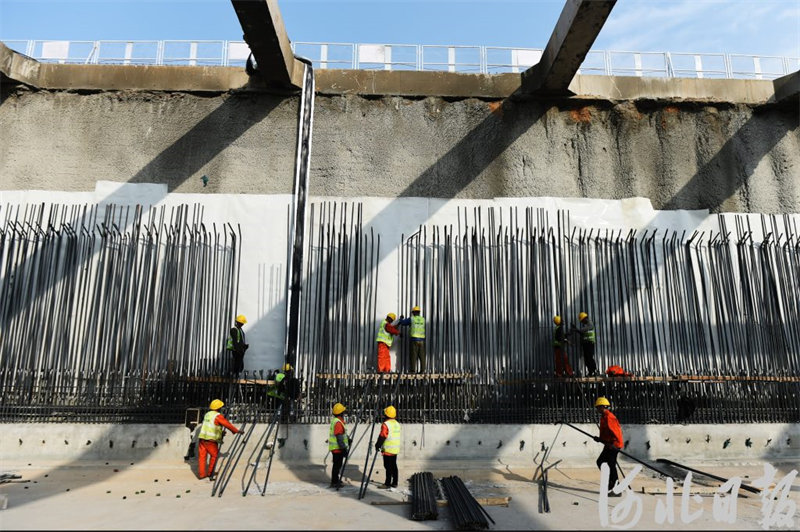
point(128, 53)
point(757, 67)
point(323, 56)
point(451, 59)
point(160, 53)
point(193, 54)
point(698, 66)
point(637, 64)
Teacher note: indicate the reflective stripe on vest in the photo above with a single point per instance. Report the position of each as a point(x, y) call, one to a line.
point(392, 443)
point(383, 335)
point(588, 336)
point(417, 327)
point(229, 345)
point(210, 430)
point(556, 343)
point(333, 443)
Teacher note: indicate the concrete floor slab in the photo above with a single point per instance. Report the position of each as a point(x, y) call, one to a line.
point(168, 496)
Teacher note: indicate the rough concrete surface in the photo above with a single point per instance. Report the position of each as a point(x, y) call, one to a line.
point(168, 496)
point(681, 155)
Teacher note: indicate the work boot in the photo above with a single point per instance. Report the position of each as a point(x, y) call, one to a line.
point(384, 487)
point(336, 485)
point(612, 494)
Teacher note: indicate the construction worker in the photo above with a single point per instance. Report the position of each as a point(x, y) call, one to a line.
point(385, 337)
point(560, 343)
point(611, 438)
point(214, 425)
point(236, 344)
point(586, 330)
point(389, 444)
point(280, 382)
point(338, 443)
point(417, 332)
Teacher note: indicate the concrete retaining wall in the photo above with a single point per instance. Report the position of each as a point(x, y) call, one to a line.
point(487, 445)
point(680, 154)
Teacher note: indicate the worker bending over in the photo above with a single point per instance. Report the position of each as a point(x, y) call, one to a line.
point(214, 425)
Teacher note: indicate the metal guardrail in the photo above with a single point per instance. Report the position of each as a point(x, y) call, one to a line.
point(419, 57)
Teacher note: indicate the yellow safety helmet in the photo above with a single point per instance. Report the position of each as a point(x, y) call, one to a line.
point(602, 401)
point(287, 367)
point(338, 408)
point(557, 320)
point(415, 309)
point(241, 319)
point(392, 316)
point(582, 315)
point(216, 404)
point(390, 412)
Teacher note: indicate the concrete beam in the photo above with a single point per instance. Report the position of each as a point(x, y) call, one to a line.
point(18, 67)
point(575, 32)
point(787, 88)
point(266, 35)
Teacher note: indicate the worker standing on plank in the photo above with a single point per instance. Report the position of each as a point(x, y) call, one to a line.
point(389, 443)
point(385, 337)
point(338, 443)
point(417, 333)
point(611, 438)
point(236, 344)
point(588, 340)
point(560, 349)
point(214, 424)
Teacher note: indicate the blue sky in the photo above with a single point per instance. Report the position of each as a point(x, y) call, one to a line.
point(759, 27)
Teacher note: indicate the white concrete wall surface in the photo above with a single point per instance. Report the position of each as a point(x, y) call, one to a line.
point(455, 445)
point(263, 222)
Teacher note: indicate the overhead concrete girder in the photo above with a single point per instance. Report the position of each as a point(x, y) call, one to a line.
point(576, 30)
point(787, 88)
point(266, 36)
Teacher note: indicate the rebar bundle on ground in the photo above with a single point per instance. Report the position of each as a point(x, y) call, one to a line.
point(466, 512)
point(423, 497)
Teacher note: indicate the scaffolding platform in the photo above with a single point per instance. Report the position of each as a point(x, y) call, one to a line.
point(396, 376)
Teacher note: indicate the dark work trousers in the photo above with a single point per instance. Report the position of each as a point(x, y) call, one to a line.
point(238, 362)
point(609, 456)
point(417, 353)
point(588, 357)
point(338, 459)
point(390, 464)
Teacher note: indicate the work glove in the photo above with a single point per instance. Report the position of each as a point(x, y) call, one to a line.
point(345, 452)
point(377, 446)
point(402, 317)
point(598, 440)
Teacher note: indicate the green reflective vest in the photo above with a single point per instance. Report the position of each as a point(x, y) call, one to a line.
point(383, 335)
point(417, 327)
point(333, 443)
point(274, 389)
point(391, 444)
point(588, 336)
point(229, 345)
point(210, 430)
